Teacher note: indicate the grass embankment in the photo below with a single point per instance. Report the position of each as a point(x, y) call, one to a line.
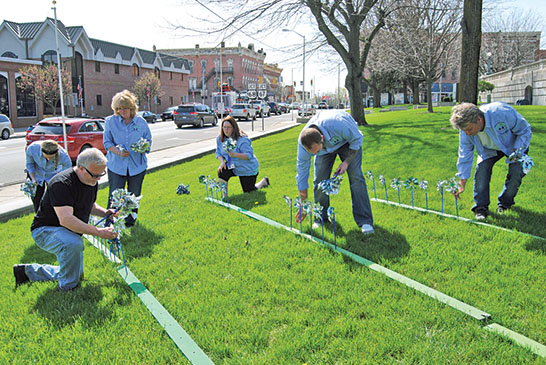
point(250, 293)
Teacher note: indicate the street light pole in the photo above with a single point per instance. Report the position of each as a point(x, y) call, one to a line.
point(303, 91)
point(489, 63)
point(60, 79)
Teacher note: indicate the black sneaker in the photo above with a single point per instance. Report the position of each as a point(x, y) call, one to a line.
point(20, 275)
point(502, 209)
point(481, 214)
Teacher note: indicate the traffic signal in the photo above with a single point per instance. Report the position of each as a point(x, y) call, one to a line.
point(294, 83)
point(311, 82)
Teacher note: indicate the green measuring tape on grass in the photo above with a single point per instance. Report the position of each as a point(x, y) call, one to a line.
point(476, 313)
point(180, 337)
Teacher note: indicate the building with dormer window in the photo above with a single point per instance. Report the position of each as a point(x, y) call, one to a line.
point(100, 68)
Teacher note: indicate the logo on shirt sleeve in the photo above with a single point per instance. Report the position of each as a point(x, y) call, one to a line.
point(501, 127)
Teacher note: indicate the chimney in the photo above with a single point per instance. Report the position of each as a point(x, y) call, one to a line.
point(222, 44)
point(196, 46)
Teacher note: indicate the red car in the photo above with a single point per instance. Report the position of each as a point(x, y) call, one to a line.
point(81, 133)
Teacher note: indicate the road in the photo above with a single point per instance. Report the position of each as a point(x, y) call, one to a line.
point(164, 135)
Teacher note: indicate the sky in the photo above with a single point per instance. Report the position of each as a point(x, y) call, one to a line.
point(143, 24)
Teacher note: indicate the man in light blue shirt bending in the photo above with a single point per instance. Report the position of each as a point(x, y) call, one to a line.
point(327, 135)
point(495, 130)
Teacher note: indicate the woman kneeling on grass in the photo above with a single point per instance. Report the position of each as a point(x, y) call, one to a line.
point(236, 156)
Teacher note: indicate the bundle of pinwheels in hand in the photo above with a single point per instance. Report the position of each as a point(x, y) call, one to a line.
point(125, 203)
point(141, 146)
point(331, 186)
point(521, 156)
point(29, 188)
point(229, 145)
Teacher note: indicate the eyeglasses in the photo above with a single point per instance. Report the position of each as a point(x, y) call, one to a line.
point(94, 176)
point(227, 127)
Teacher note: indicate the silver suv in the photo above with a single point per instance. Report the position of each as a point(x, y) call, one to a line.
point(195, 114)
point(243, 111)
point(262, 108)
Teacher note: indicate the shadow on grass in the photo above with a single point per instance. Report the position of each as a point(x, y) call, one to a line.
point(248, 201)
point(382, 245)
point(140, 241)
point(83, 305)
point(522, 220)
point(34, 254)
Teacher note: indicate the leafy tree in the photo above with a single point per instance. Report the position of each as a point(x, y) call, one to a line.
point(340, 24)
point(147, 87)
point(43, 83)
point(484, 86)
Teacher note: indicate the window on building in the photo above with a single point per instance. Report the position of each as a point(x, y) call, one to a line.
point(99, 100)
point(171, 100)
point(49, 57)
point(170, 75)
point(181, 77)
point(4, 105)
point(192, 83)
point(158, 99)
point(97, 66)
point(116, 68)
point(26, 104)
point(135, 71)
point(157, 72)
point(9, 54)
point(191, 66)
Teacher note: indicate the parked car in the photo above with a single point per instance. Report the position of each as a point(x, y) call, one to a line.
point(6, 126)
point(81, 133)
point(274, 108)
point(296, 106)
point(285, 108)
point(243, 111)
point(148, 116)
point(522, 102)
point(194, 114)
point(323, 105)
point(168, 113)
point(306, 109)
point(262, 108)
point(341, 106)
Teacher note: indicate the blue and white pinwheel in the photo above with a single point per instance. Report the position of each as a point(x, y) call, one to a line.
point(229, 145)
point(331, 186)
point(125, 203)
point(183, 189)
point(141, 146)
point(29, 188)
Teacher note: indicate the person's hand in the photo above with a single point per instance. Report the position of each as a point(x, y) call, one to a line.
point(112, 213)
point(303, 194)
point(222, 167)
point(124, 153)
point(300, 215)
point(341, 168)
point(462, 182)
point(231, 154)
point(107, 233)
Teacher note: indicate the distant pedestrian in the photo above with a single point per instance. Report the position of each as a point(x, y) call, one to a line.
point(327, 135)
point(44, 159)
point(495, 130)
point(241, 161)
point(62, 219)
point(125, 166)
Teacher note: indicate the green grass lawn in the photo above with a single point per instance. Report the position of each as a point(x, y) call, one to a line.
point(250, 293)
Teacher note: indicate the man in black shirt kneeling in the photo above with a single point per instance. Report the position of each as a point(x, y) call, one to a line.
point(62, 218)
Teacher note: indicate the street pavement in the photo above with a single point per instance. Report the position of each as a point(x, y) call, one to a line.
point(14, 203)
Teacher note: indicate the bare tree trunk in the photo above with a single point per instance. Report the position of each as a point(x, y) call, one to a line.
point(429, 96)
point(405, 91)
point(353, 83)
point(470, 54)
point(415, 91)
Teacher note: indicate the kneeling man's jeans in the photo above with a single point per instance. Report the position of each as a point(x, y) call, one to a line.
point(68, 247)
point(482, 179)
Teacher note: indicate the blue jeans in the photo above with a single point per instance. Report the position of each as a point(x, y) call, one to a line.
point(482, 179)
point(134, 185)
point(362, 211)
point(68, 247)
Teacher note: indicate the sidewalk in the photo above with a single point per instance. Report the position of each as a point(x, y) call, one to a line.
point(13, 203)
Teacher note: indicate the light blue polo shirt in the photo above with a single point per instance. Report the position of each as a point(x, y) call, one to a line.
point(242, 167)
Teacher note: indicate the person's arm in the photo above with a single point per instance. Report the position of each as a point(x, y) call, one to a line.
point(345, 164)
point(462, 182)
point(521, 129)
point(466, 156)
point(30, 163)
point(302, 167)
point(117, 151)
point(245, 146)
point(68, 220)
point(219, 155)
point(64, 160)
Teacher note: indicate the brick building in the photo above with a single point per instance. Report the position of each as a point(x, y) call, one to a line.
point(101, 68)
point(236, 66)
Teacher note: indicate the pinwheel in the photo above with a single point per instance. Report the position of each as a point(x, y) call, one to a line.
point(288, 201)
point(384, 183)
point(229, 145)
point(452, 186)
point(317, 213)
point(300, 215)
point(331, 186)
point(440, 188)
point(141, 146)
point(183, 189)
point(29, 188)
point(396, 184)
point(370, 175)
point(526, 160)
point(423, 185)
point(411, 183)
point(332, 218)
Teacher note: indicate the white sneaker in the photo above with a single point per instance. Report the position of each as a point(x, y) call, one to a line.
point(367, 229)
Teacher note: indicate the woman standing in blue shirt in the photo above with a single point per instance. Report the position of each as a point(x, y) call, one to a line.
point(44, 159)
point(239, 162)
point(125, 127)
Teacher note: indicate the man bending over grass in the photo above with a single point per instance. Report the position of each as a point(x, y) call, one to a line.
point(495, 130)
point(62, 219)
point(327, 135)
